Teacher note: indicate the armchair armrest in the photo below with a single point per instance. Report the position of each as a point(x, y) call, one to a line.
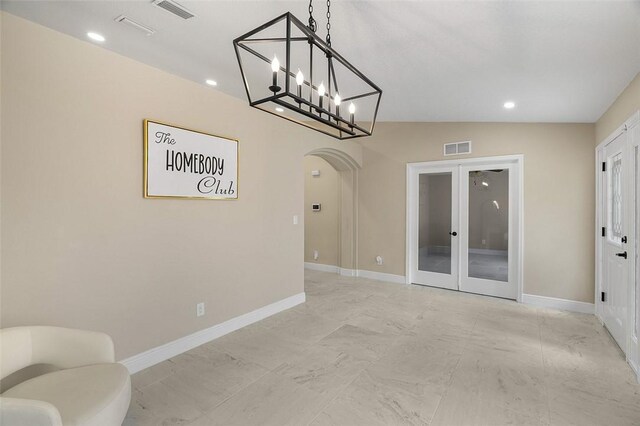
point(69, 348)
point(19, 412)
point(61, 347)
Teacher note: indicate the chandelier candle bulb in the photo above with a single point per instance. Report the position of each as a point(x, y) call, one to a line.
point(275, 66)
point(321, 91)
point(352, 111)
point(337, 100)
point(299, 81)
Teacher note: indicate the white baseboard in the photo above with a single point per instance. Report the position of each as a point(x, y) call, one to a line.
point(382, 276)
point(527, 299)
point(348, 272)
point(161, 353)
point(555, 303)
point(322, 267)
point(635, 369)
point(372, 275)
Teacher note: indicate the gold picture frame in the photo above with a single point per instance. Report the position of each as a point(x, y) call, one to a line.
point(192, 166)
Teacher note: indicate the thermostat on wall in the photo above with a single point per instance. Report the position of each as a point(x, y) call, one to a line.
point(315, 207)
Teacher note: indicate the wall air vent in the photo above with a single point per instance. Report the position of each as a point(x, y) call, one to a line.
point(174, 7)
point(133, 24)
point(457, 148)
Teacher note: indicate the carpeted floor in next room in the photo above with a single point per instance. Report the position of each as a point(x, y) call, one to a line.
point(362, 352)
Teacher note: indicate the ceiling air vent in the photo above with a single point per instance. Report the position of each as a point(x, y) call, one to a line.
point(133, 24)
point(175, 8)
point(457, 148)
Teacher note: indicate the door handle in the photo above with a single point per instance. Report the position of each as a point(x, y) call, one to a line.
point(623, 254)
point(453, 234)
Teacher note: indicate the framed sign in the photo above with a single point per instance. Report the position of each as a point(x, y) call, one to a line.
point(183, 163)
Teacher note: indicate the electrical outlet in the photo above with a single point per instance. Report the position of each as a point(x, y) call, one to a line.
point(295, 219)
point(379, 260)
point(316, 255)
point(200, 309)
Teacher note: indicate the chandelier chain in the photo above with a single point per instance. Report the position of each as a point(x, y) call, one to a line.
point(312, 22)
point(329, 23)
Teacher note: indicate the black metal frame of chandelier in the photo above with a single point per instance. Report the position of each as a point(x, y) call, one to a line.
point(336, 118)
point(292, 75)
point(312, 39)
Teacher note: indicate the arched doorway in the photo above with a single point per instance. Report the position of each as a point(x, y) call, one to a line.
point(347, 188)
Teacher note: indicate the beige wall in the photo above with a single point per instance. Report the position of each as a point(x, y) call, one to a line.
point(80, 245)
point(627, 103)
point(558, 195)
point(321, 228)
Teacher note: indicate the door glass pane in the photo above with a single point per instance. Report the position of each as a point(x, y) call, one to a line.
point(434, 223)
point(615, 199)
point(489, 224)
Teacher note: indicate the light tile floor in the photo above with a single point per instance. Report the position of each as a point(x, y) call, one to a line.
point(362, 352)
point(488, 266)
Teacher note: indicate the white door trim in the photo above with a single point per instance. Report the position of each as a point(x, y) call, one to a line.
point(410, 211)
point(627, 125)
point(633, 356)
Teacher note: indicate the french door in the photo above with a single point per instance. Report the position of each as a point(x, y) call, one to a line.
point(463, 225)
point(436, 241)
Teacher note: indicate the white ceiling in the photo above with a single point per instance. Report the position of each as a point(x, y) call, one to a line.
point(434, 60)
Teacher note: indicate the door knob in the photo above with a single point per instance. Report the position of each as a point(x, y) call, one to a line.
point(453, 234)
point(623, 255)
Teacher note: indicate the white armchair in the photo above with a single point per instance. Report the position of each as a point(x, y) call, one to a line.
point(89, 388)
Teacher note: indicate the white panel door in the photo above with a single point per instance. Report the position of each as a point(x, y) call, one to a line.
point(615, 253)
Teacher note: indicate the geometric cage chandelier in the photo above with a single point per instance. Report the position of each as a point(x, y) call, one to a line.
point(289, 71)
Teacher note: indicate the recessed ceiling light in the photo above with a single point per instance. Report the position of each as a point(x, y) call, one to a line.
point(509, 105)
point(279, 109)
point(211, 82)
point(95, 36)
